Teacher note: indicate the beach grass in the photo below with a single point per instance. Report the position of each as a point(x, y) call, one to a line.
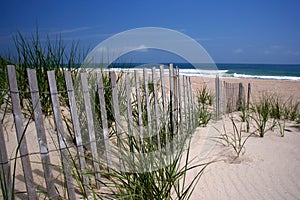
point(234, 138)
point(271, 112)
point(261, 115)
point(44, 55)
point(205, 101)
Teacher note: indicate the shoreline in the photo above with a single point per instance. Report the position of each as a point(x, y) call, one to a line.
point(285, 89)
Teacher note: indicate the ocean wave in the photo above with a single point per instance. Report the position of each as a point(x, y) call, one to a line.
point(186, 72)
point(292, 78)
point(199, 72)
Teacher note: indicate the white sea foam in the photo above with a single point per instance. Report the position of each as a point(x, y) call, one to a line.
point(186, 72)
point(209, 73)
point(292, 78)
point(199, 72)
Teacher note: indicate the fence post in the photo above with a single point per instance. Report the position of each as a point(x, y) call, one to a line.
point(172, 98)
point(185, 101)
point(248, 96)
point(164, 101)
point(148, 109)
point(157, 117)
point(128, 105)
point(65, 158)
point(241, 100)
point(217, 96)
point(175, 101)
point(131, 156)
point(179, 99)
point(139, 106)
point(227, 101)
point(188, 105)
point(4, 166)
point(193, 117)
point(40, 130)
point(104, 119)
point(91, 128)
point(16, 107)
point(76, 127)
point(116, 111)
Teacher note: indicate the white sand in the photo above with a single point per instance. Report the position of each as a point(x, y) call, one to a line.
point(269, 168)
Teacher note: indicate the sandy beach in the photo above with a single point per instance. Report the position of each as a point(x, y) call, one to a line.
point(286, 89)
point(269, 168)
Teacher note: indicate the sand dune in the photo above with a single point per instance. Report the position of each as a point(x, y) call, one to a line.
point(269, 168)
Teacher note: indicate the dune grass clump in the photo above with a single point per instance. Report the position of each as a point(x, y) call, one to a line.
point(44, 55)
point(280, 109)
point(271, 112)
point(204, 105)
point(261, 114)
point(291, 110)
point(244, 115)
point(235, 138)
point(165, 182)
point(276, 106)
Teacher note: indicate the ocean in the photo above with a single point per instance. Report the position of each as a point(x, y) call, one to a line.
point(257, 71)
point(262, 71)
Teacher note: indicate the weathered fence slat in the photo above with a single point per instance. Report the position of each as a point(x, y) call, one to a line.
point(104, 119)
point(116, 111)
point(128, 105)
point(234, 99)
point(91, 128)
point(164, 102)
point(228, 100)
point(16, 107)
point(193, 117)
point(139, 105)
point(218, 96)
point(40, 130)
point(76, 127)
point(241, 97)
point(175, 101)
point(172, 98)
point(189, 101)
point(179, 101)
point(65, 157)
point(226, 97)
point(185, 102)
point(147, 101)
point(4, 166)
point(129, 120)
point(229, 90)
point(156, 111)
point(248, 96)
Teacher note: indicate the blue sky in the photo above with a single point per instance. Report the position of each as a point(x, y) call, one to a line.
point(232, 31)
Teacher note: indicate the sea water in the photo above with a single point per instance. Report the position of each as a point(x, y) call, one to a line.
point(257, 71)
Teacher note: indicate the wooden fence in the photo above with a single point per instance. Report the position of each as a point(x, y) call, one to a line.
point(231, 97)
point(168, 104)
point(163, 102)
